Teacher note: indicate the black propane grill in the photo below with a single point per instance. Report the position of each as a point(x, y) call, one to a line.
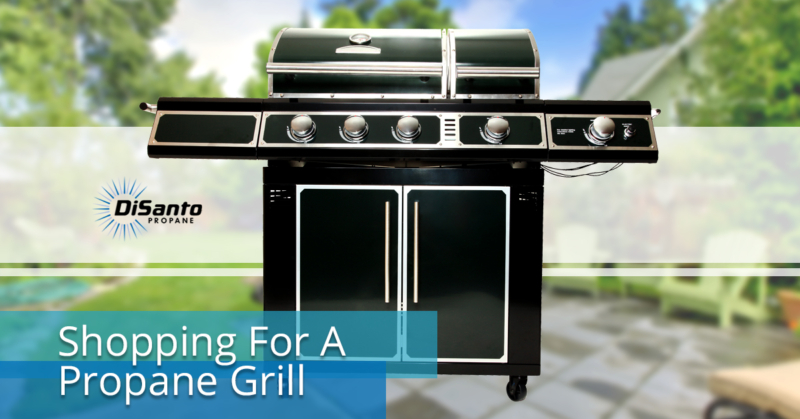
point(417, 154)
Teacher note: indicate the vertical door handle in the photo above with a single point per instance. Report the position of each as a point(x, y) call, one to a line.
point(386, 255)
point(416, 250)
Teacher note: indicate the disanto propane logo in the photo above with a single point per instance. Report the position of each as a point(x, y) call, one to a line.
point(123, 214)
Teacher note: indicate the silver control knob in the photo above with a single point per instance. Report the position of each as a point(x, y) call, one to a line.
point(408, 129)
point(601, 130)
point(630, 131)
point(497, 129)
point(301, 129)
point(355, 129)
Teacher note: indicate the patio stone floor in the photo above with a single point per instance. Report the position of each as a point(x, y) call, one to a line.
point(604, 358)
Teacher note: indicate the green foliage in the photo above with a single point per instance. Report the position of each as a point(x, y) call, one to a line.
point(751, 74)
point(413, 14)
point(361, 8)
point(660, 22)
point(179, 293)
point(80, 63)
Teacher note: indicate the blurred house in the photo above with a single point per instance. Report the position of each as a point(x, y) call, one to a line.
point(660, 75)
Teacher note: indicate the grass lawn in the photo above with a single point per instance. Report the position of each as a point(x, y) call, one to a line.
point(180, 293)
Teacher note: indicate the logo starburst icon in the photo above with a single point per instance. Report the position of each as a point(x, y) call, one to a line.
point(115, 225)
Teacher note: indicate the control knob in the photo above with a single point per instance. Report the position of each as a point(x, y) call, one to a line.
point(301, 129)
point(355, 129)
point(496, 130)
point(601, 130)
point(408, 129)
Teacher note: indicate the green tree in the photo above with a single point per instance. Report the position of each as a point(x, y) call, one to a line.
point(750, 76)
point(751, 71)
point(87, 62)
point(412, 14)
point(362, 8)
point(660, 22)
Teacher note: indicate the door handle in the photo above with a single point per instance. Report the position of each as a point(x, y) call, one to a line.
point(416, 251)
point(386, 255)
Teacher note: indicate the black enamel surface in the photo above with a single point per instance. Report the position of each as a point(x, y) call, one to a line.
point(495, 86)
point(313, 46)
point(525, 130)
point(570, 132)
point(325, 84)
point(328, 129)
point(494, 48)
point(342, 244)
point(524, 321)
point(217, 129)
point(462, 268)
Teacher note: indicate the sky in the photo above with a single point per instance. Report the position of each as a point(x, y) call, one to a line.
point(223, 39)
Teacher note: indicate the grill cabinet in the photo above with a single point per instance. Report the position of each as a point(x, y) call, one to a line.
point(403, 173)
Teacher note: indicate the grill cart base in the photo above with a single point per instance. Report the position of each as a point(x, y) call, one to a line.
point(464, 242)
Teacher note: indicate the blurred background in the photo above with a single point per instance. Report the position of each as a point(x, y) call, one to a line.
point(657, 275)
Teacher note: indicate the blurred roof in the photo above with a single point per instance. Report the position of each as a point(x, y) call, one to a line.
point(622, 77)
point(616, 75)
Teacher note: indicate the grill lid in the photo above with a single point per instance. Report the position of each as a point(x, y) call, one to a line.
point(493, 64)
point(359, 63)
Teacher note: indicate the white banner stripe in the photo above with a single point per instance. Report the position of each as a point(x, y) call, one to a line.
point(584, 272)
point(116, 272)
point(662, 272)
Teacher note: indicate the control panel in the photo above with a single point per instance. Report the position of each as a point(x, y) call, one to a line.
point(422, 129)
point(571, 131)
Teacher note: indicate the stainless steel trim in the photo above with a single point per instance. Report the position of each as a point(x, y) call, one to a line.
point(445, 67)
point(354, 37)
point(261, 142)
point(416, 252)
point(537, 62)
point(159, 114)
point(589, 118)
point(358, 49)
point(453, 70)
point(498, 96)
point(357, 95)
point(360, 68)
point(443, 140)
point(148, 107)
point(386, 254)
point(269, 60)
point(455, 75)
point(415, 146)
point(406, 255)
point(465, 71)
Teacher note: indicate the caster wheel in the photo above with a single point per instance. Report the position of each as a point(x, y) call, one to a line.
point(516, 388)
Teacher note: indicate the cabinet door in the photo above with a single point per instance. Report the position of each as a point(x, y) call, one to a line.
point(348, 248)
point(456, 263)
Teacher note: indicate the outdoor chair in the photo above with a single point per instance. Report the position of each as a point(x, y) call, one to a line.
point(763, 392)
point(626, 283)
point(575, 244)
point(724, 294)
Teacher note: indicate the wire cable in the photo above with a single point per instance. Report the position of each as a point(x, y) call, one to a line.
point(558, 171)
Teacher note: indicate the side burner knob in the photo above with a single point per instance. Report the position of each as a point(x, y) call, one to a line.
point(601, 130)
